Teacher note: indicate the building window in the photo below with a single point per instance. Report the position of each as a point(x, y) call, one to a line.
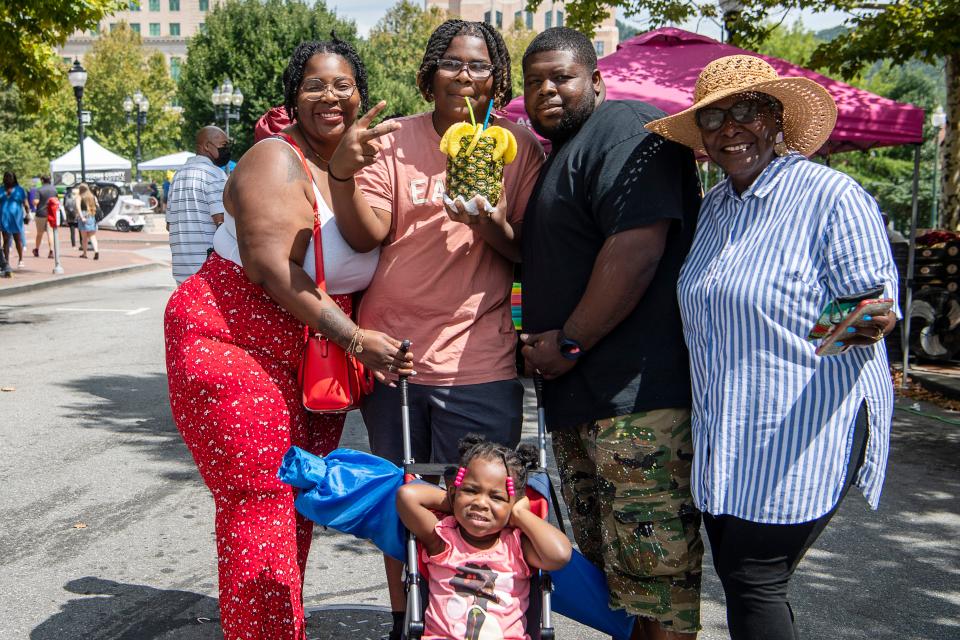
point(559, 18)
point(529, 20)
point(67, 61)
point(155, 29)
point(598, 45)
point(486, 17)
point(175, 68)
point(113, 26)
point(499, 20)
point(204, 5)
point(174, 5)
point(174, 28)
point(135, 26)
point(548, 19)
point(95, 30)
point(517, 18)
point(133, 5)
point(202, 27)
point(154, 5)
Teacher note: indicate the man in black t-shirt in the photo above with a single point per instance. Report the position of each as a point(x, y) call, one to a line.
point(604, 236)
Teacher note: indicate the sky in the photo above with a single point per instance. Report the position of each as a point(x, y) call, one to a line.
point(367, 12)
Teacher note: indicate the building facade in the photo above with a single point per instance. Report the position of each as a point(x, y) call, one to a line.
point(505, 13)
point(164, 26)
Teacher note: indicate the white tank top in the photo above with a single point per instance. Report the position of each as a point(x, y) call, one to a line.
point(346, 270)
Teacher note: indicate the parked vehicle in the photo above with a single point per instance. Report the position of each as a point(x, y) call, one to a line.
point(119, 209)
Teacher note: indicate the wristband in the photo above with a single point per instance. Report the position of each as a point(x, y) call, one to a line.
point(569, 348)
point(330, 173)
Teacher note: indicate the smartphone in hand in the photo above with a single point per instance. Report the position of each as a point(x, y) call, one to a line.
point(872, 307)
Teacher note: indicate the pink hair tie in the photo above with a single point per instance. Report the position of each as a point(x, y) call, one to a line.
point(461, 472)
point(510, 489)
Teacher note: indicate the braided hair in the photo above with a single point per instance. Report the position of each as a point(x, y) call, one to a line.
point(293, 74)
point(440, 41)
point(517, 462)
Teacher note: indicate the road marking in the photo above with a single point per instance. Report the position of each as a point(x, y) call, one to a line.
point(126, 312)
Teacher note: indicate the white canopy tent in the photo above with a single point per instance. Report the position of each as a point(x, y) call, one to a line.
point(100, 163)
point(172, 161)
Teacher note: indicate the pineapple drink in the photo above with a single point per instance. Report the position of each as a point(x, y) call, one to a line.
point(475, 159)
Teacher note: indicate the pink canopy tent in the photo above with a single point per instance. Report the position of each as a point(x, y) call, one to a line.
point(661, 67)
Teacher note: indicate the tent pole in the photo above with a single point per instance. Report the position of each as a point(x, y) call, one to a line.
point(905, 333)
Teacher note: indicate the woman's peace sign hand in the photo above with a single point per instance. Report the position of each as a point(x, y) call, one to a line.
point(358, 147)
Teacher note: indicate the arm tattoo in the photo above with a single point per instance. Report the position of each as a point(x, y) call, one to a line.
point(334, 324)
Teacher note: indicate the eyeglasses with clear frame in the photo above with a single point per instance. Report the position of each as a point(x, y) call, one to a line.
point(314, 90)
point(476, 70)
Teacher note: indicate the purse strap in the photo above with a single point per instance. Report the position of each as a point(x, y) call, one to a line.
point(317, 239)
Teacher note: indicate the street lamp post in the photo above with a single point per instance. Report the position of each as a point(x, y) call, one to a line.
point(78, 79)
point(226, 103)
point(730, 10)
point(142, 105)
point(939, 120)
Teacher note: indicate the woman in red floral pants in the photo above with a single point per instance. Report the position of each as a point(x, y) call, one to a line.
point(234, 339)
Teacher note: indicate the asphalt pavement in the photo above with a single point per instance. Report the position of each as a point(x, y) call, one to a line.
point(108, 531)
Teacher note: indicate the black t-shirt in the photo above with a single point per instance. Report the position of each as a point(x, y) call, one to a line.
point(612, 176)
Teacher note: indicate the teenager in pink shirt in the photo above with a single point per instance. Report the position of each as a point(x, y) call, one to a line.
point(444, 276)
point(479, 557)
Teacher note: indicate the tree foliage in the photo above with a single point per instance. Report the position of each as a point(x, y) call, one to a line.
point(117, 66)
point(250, 42)
point(393, 53)
point(29, 32)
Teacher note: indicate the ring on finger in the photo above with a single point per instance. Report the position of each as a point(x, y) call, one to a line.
point(879, 335)
point(390, 367)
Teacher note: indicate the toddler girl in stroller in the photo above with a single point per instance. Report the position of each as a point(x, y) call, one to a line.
point(480, 556)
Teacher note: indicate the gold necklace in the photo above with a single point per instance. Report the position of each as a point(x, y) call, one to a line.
point(310, 146)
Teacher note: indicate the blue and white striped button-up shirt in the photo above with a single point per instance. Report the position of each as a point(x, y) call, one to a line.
point(772, 422)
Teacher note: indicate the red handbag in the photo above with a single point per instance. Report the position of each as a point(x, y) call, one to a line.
point(332, 380)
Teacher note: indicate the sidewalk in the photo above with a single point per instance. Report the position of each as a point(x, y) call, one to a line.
point(119, 253)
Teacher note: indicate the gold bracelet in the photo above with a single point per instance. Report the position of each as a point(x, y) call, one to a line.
point(358, 348)
point(352, 346)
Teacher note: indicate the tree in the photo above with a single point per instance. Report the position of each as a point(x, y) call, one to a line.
point(29, 31)
point(36, 129)
point(117, 66)
point(393, 53)
point(250, 42)
point(904, 31)
point(517, 39)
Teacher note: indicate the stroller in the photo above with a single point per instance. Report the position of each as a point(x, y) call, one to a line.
point(539, 612)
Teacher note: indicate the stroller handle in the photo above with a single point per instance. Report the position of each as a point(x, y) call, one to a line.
point(541, 421)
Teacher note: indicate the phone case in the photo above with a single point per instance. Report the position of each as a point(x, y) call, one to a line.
point(835, 312)
point(878, 307)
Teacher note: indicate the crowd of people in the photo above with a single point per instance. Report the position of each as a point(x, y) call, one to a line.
point(669, 328)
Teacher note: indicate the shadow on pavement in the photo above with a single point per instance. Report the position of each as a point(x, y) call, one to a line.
point(893, 573)
point(116, 611)
point(138, 409)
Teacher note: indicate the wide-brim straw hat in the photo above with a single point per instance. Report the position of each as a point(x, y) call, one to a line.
point(809, 111)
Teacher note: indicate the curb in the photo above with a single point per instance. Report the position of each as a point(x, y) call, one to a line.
point(79, 277)
point(936, 383)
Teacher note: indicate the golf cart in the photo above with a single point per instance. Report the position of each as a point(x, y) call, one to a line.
point(119, 209)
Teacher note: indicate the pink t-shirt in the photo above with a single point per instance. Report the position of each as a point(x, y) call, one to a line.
point(438, 283)
point(477, 593)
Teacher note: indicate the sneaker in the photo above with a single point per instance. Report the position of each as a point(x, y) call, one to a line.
point(50, 255)
point(6, 273)
point(20, 265)
point(36, 253)
point(96, 255)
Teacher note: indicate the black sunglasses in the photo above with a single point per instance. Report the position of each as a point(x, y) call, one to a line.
point(742, 112)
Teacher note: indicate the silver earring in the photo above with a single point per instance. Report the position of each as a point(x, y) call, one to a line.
point(779, 146)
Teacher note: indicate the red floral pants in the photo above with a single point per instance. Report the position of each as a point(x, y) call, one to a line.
point(232, 361)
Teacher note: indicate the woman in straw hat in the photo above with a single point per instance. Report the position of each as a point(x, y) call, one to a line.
point(780, 433)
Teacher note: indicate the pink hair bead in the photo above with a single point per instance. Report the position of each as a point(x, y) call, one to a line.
point(461, 472)
point(510, 489)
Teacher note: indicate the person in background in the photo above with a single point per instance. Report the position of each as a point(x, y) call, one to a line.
point(604, 238)
point(444, 277)
point(85, 205)
point(14, 210)
point(195, 205)
point(780, 433)
point(44, 193)
point(165, 188)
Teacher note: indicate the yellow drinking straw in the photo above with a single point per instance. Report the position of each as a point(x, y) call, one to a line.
point(470, 109)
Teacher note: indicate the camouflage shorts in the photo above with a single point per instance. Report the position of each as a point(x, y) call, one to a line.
point(626, 481)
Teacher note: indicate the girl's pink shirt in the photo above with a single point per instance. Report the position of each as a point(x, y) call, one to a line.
point(477, 593)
